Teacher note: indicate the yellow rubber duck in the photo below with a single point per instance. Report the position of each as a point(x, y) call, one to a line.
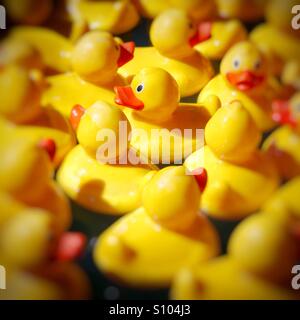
point(173, 36)
point(95, 61)
point(284, 143)
point(153, 104)
point(54, 49)
point(236, 168)
point(220, 36)
point(148, 246)
point(29, 240)
point(32, 184)
point(23, 108)
point(248, 11)
point(277, 33)
point(290, 76)
point(116, 17)
point(32, 12)
point(244, 76)
point(261, 254)
point(95, 179)
point(198, 10)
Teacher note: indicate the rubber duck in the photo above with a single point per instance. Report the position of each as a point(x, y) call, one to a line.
point(54, 49)
point(92, 174)
point(221, 37)
point(24, 108)
point(95, 61)
point(262, 251)
point(29, 241)
point(153, 104)
point(198, 10)
point(283, 144)
point(167, 230)
point(249, 11)
point(277, 33)
point(116, 17)
point(31, 12)
point(173, 36)
point(236, 168)
point(244, 76)
point(32, 183)
point(290, 76)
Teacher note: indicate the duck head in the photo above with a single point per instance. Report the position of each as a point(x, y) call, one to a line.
point(98, 55)
point(174, 34)
point(231, 133)
point(244, 67)
point(165, 197)
point(287, 111)
point(153, 94)
point(279, 14)
point(100, 118)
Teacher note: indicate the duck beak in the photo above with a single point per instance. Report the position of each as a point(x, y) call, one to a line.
point(202, 34)
point(126, 53)
point(244, 80)
point(49, 146)
point(282, 113)
point(70, 246)
point(76, 114)
point(125, 97)
point(201, 178)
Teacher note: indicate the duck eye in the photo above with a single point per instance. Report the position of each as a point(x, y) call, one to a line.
point(236, 63)
point(140, 88)
point(191, 26)
point(117, 47)
point(257, 64)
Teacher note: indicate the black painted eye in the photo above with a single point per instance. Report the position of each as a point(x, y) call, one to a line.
point(117, 47)
point(140, 88)
point(257, 64)
point(236, 63)
point(191, 26)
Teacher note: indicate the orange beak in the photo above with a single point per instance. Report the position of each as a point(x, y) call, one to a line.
point(126, 97)
point(70, 246)
point(49, 146)
point(244, 80)
point(126, 53)
point(201, 178)
point(202, 34)
point(282, 113)
point(76, 114)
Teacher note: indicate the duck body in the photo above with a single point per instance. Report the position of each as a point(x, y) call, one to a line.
point(67, 90)
point(191, 73)
point(223, 278)
point(159, 231)
point(230, 189)
point(259, 106)
point(112, 189)
point(54, 49)
point(148, 242)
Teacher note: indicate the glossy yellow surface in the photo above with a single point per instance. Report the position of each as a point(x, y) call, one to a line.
point(291, 74)
point(172, 53)
point(54, 49)
point(245, 57)
point(252, 10)
point(145, 248)
point(236, 168)
point(113, 189)
point(223, 278)
point(116, 17)
point(162, 112)
point(198, 9)
point(224, 35)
